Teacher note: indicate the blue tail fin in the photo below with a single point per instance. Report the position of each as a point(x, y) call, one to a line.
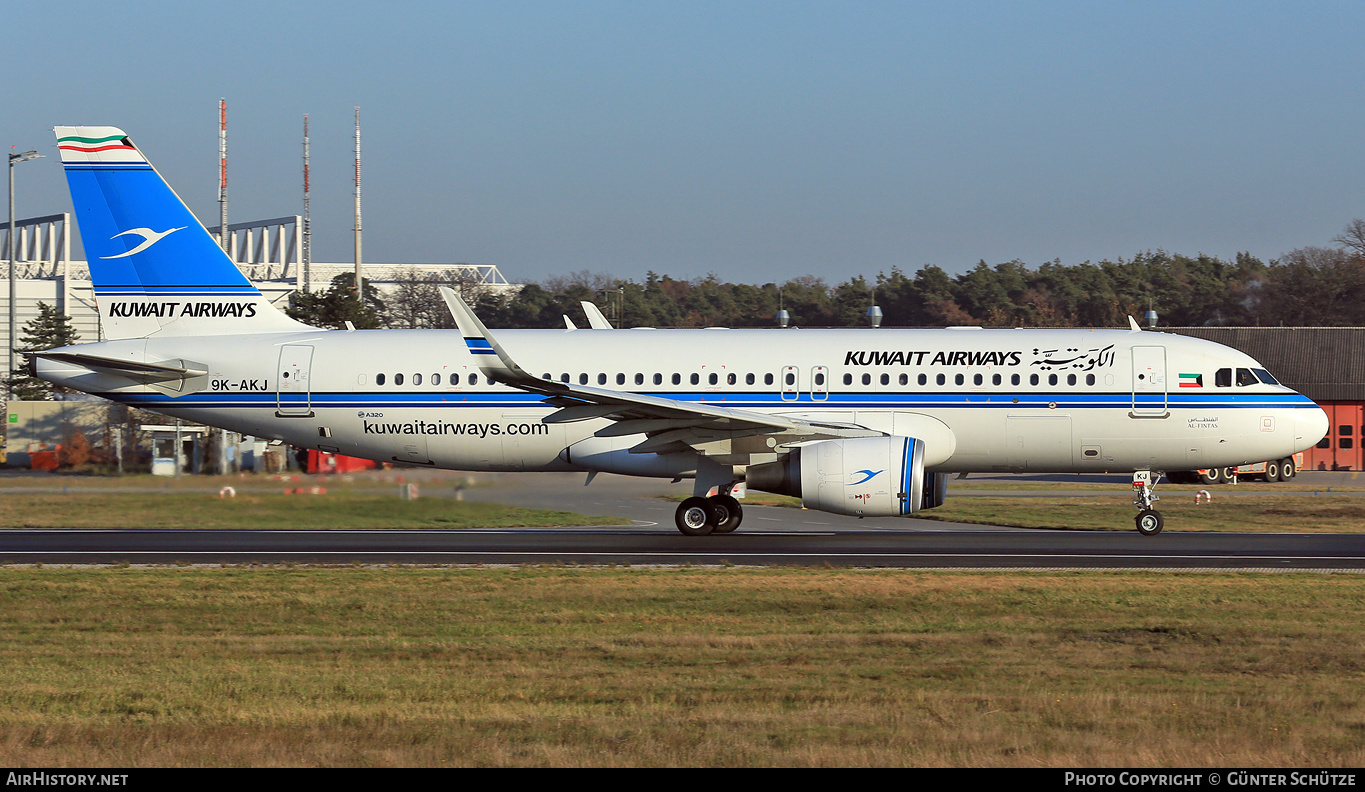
point(155, 268)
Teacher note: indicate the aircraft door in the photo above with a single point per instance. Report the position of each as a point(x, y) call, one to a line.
point(791, 385)
point(293, 391)
point(1149, 382)
point(819, 383)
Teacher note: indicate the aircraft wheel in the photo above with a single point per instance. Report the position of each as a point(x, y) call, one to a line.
point(1209, 476)
point(1272, 472)
point(695, 517)
point(726, 512)
point(1149, 522)
point(1288, 469)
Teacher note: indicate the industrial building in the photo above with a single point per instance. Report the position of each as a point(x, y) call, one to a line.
point(269, 253)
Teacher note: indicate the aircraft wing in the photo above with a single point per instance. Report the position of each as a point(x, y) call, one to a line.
point(668, 423)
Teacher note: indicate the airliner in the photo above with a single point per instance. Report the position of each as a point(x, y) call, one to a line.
point(865, 422)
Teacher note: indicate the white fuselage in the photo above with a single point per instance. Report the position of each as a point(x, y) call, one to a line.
point(982, 400)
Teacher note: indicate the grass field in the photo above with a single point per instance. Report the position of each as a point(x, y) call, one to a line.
point(572, 667)
point(267, 509)
point(575, 667)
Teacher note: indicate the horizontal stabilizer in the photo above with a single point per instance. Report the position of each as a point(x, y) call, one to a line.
point(165, 370)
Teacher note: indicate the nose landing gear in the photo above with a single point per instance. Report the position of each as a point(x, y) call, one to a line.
point(1149, 522)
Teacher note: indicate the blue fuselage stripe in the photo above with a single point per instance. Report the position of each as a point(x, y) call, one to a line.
point(770, 400)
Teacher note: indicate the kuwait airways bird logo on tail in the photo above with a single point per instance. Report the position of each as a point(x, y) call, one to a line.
point(149, 238)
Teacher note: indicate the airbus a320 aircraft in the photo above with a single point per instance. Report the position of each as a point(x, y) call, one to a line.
point(859, 422)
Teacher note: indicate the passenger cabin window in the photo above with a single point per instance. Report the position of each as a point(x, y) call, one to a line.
point(397, 379)
point(379, 379)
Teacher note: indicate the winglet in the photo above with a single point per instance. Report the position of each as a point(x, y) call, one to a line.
point(495, 363)
point(595, 318)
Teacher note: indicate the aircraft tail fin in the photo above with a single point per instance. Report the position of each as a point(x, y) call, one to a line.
point(155, 268)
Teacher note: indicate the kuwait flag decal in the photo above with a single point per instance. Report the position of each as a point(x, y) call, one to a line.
point(1191, 380)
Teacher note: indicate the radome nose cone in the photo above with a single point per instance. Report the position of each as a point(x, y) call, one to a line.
point(1310, 426)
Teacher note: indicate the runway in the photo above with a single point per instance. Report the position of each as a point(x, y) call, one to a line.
point(662, 546)
point(770, 536)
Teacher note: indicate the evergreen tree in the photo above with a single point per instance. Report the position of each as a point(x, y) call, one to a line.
point(338, 305)
point(50, 330)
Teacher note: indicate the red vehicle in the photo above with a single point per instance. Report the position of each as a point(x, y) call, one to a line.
point(1273, 471)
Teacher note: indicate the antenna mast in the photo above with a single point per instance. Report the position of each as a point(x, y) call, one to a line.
point(307, 230)
point(222, 175)
point(359, 283)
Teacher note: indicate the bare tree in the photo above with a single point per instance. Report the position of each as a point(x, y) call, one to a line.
point(1353, 238)
point(415, 302)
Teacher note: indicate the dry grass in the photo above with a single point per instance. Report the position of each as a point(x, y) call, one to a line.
point(619, 667)
point(267, 509)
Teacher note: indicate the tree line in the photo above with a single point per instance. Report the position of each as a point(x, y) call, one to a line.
point(1310, 286)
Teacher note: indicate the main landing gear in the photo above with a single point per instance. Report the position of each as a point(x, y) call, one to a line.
point(1149, 520)
point(717, 514)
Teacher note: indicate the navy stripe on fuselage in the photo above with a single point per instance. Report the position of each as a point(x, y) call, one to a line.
point(770, 401)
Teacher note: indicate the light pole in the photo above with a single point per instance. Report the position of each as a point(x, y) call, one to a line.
point(13, 309)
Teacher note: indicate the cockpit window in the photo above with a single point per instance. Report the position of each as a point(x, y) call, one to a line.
point(1264, 376)
point(1245, 377)
point(1223, 379)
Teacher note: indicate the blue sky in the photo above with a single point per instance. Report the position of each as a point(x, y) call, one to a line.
point(759, 141)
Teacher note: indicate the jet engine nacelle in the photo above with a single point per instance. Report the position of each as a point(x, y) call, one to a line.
point(864, 476)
